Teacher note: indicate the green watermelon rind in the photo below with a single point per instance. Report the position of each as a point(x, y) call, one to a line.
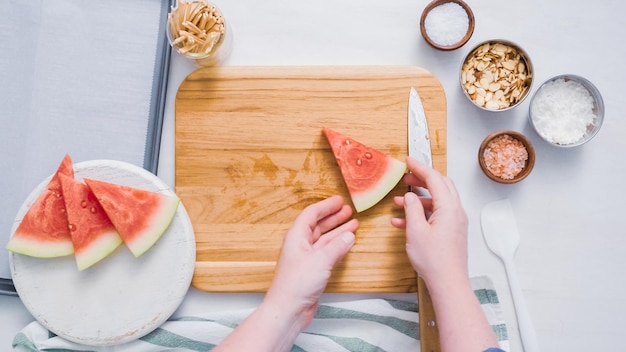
point(31, 244)
point(99, 249)
point(102, 243)
point(40, 249)
point(160, 222)
point(381, 181)
point(394, 172)
point(156, 220)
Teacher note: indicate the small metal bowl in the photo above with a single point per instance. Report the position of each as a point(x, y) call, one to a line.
point(513, 80)
point(529, 163)
point(560, 112)
point(445, 46)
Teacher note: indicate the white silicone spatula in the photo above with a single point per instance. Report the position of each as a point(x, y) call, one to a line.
point(500, 233)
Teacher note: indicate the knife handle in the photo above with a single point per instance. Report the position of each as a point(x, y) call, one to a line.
point(429, 332)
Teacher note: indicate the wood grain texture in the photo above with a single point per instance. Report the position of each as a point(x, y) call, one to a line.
point(250, 155)
point(428, 326)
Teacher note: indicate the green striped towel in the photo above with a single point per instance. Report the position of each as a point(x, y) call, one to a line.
point(362, 325)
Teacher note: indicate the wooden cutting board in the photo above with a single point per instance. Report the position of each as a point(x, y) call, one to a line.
point(250, 155)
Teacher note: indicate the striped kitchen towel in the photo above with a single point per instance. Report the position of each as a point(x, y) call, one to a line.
point(362, 325)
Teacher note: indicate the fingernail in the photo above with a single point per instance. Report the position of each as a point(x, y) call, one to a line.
point(410, 197)
point(348, 237)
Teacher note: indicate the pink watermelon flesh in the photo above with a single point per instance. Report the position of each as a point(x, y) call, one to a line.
point(140, 216)
point(368, 173)
point(43, 231)
point(93, 235)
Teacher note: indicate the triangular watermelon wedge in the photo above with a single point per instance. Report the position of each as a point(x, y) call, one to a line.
point(368, 173)
point(44, 231)
point(93, 235)
point(140, 216)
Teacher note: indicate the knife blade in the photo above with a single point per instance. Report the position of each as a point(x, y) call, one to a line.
point(420, 149)
point(419, 138)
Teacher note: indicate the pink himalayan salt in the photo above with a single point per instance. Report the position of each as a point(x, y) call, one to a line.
point(505, 157)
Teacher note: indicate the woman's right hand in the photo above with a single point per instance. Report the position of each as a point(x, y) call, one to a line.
point(437, 247)
point(436, 226)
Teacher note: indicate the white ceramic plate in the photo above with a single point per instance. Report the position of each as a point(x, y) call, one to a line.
point(121, 298)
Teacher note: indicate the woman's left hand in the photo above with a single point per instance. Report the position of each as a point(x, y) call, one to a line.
point(321, 235)
point(319, 238)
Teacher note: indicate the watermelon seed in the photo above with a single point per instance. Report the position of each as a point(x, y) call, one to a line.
point(368, 155)
point(359, 162)
point(83, 204)
point(72, 227)
point(92, 210)
point(347, 142)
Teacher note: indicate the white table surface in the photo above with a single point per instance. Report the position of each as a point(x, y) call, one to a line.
point(571, 259)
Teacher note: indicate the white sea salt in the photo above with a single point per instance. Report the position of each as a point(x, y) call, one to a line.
point(446, 24)
point(562, 111)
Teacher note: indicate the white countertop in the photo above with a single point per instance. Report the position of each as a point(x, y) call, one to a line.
point(569, 210)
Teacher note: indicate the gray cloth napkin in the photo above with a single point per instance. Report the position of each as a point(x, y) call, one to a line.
point(361, 326)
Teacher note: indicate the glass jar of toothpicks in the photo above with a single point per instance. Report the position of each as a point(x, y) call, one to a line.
point(198, 31)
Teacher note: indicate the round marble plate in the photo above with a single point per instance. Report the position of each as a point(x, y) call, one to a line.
point(121, 298)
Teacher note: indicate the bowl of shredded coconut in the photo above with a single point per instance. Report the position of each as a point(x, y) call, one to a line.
point(447, 24)
point(567, 111)
point(506, 156)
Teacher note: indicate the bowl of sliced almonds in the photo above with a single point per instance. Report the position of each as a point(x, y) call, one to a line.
point(496, 75)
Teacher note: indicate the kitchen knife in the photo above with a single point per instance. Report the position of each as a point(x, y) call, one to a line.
point(419, 139)
point(420, 149)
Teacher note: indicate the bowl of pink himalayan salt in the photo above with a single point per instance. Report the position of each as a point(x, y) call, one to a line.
point(447, 24)
point(567, 111)
point(506, 156)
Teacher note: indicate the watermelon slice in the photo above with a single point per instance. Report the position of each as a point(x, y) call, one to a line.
point(93, 235)
point(44, 231)
point(140, 216)
point(368, 173)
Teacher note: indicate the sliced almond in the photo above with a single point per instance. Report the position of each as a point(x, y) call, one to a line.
point(493, 105)
point(494, 86)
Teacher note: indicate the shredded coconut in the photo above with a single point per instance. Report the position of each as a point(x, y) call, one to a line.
point(446, 24)
point(562, 111)
point(505, 157)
